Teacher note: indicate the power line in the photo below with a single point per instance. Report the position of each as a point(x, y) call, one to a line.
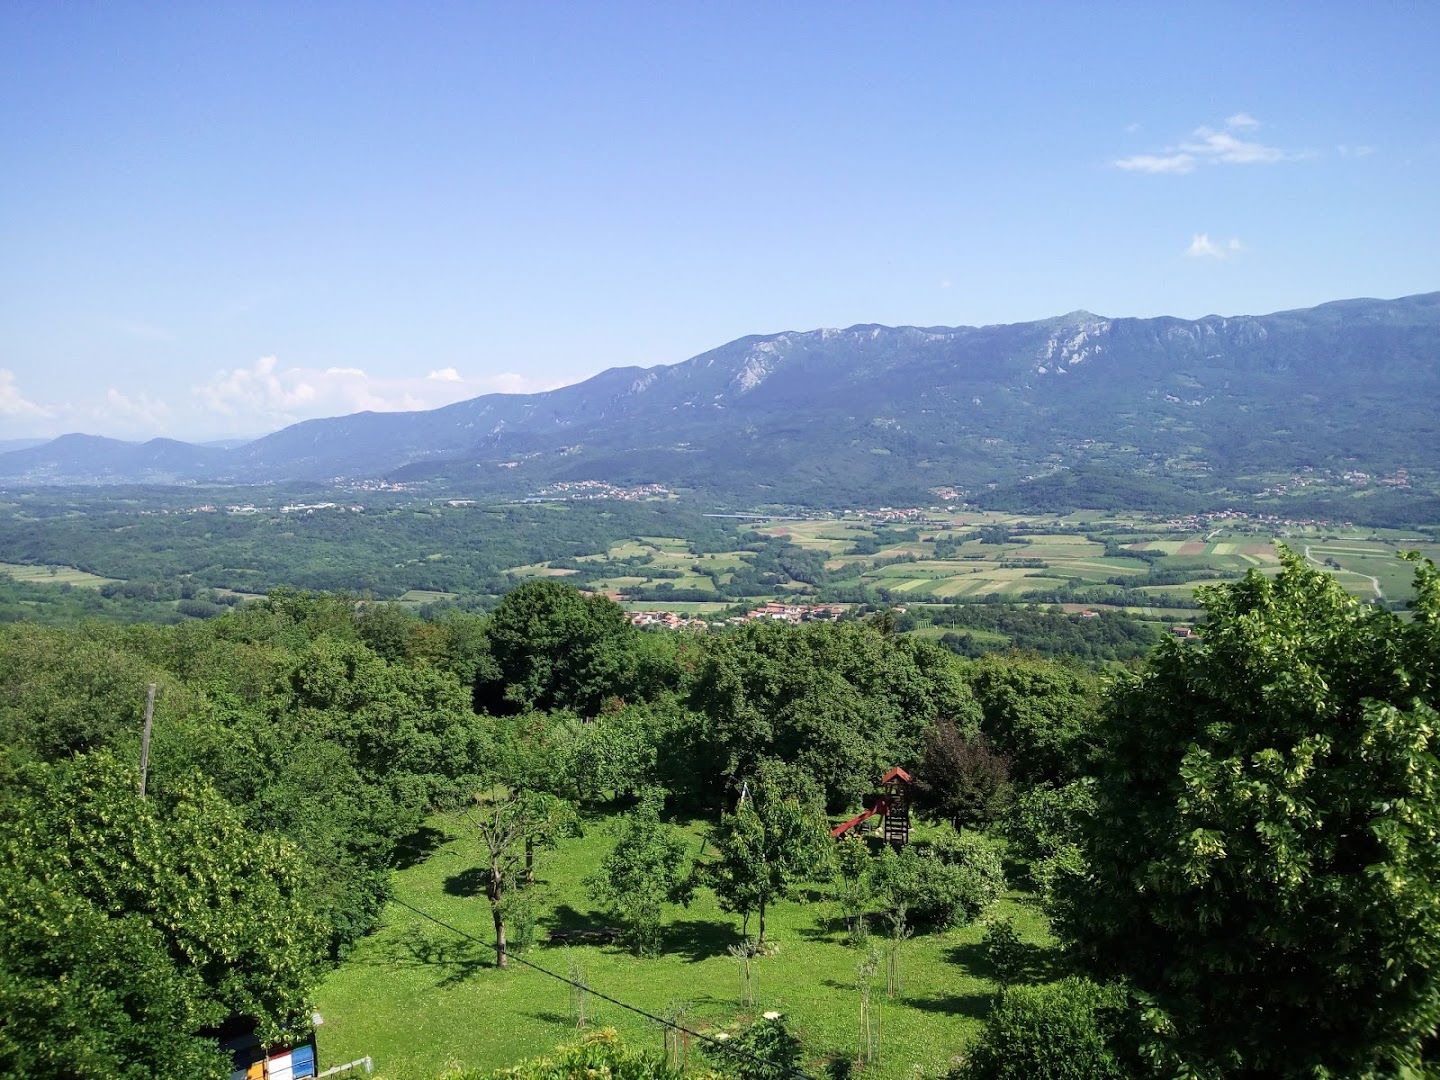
point(719, 1043)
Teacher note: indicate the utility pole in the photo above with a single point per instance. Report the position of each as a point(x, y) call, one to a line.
point(145, 737)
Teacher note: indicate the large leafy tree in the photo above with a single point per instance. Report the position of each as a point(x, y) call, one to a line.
point(128, 925)
point(1265, 849)
point(1037, 712)
point(645, 870)
point(962, 780)
point(774, 842)
point(842, 701)
point(553, 647)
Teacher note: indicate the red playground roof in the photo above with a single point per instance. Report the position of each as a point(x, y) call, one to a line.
point(896, 773)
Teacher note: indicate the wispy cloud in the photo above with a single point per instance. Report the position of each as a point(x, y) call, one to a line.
point(1345, 150)
point(1227, 148)
point(15, 404)
point(266, 395)
point(1211, 146)
point(1202, 247)
point(1157, 163)
point(132, 412)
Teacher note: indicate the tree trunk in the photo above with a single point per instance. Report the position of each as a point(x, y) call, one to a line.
point(501, 960)
point(496, 892)
point(529, 861)
point(761, 939)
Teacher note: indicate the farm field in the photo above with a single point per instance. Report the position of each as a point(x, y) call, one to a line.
point(425, 596)
point(1117, 562)
point(416, 997)
point(53, 575)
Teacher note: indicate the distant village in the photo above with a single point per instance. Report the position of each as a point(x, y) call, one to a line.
point(787, 613)
point(600, 489)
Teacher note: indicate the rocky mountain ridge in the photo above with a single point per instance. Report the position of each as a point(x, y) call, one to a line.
point(873, 408)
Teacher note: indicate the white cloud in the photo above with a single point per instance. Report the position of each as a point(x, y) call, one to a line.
point(139, 412)
point(265, 395)
point(1354, 151)
point(1202, 247)
point(1158, 163)
point(1221, 146)
point(1210, 146)
point(14, 403)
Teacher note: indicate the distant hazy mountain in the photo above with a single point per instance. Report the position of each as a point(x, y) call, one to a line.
point(878, 412)
point(91, 459)
point(6, 445)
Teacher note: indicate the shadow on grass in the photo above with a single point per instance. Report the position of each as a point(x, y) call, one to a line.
point(700, 939)
point(976, 1006)
point(1037, 964)
point(455, 960)
point(468, 882)
point(418, 846)
point(568, 918)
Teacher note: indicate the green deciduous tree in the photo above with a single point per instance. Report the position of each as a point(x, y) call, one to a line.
point(1037, 712)
point(773, 842)
point(553, 647)
point(1263, 856)
point(125, 920)
point(510, 824)
point(645, 870)
point(843, 701)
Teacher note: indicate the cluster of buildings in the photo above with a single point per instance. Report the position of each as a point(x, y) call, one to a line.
point(787, 613)
point(890, 513)
point(794, 613)
point(310, 508)
point(667, 619)
point(603, 489)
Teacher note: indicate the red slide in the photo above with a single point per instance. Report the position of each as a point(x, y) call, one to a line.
point(840, 830)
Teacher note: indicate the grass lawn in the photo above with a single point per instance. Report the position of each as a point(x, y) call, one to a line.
point(415, 997)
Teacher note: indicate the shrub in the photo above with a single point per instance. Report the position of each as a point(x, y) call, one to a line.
point(600, 1053)
point(1004, 950)
point(949, 885)
point(764, 1051)
point(1068, 1030)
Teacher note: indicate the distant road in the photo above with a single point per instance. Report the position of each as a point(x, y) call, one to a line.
point(1374, 581)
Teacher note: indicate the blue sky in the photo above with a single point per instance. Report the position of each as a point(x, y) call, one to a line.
point(219, 218)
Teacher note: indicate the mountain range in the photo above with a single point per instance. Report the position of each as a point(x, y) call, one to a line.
point(892, 413)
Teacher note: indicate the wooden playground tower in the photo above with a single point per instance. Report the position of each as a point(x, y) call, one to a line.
point(892, 803)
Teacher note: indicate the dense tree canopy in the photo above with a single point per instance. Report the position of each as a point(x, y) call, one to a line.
point(552, 647)
point(131, 924)
point(1037, 712)
point(1263, 862)
point(841, 701)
